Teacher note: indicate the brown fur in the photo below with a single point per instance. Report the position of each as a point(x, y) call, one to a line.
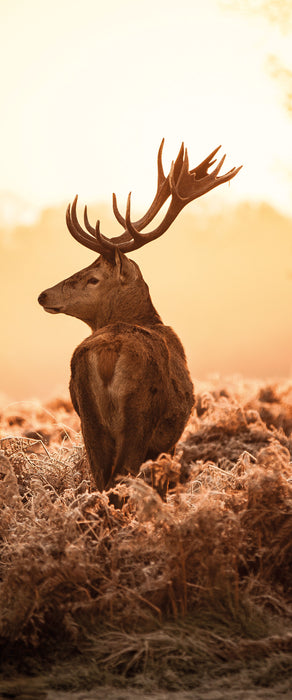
point(129, 379)
point(107, 360)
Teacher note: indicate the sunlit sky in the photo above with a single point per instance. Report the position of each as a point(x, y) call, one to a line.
point(89, 88)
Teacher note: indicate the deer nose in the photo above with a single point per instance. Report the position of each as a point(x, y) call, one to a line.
point(42, 298)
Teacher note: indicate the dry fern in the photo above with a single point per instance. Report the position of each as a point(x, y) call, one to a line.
point(203, 537)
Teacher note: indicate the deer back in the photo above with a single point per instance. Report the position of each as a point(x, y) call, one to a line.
point(133, 383)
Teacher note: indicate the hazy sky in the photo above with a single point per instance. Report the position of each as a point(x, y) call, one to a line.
point(88, 91)
point(89, 88)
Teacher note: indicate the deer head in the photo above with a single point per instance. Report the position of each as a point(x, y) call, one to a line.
point(107, 291)
point(112, 288)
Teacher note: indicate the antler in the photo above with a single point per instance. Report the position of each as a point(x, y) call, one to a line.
point(183, 186)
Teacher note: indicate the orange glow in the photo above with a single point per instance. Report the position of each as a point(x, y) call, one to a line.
point(88, 91)
point(222, 281)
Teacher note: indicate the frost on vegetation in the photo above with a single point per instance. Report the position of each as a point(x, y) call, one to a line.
point(206, 532)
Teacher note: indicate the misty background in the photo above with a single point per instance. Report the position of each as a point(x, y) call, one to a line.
point(222, 280)
point(88, 91)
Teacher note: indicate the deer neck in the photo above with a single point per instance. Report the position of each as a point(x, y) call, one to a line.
point(130, 305)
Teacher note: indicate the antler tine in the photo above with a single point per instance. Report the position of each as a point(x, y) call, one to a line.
point(201, 169)
point(93, 242)
point(184, 171)
point(218, 167)
point(90, 228)
point(117, 214)
point(103, 241)
point(131, 228)
point(69, 223)
point(155, 206)
point(140, 239)
point(162, 192)
point(228, 176)
point(86, 237)
point(75, 228)
point(105, 245)
point(160, 171)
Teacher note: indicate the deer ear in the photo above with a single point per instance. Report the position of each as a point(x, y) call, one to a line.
point(118, 262)
point(122, 265)
point(118, 258)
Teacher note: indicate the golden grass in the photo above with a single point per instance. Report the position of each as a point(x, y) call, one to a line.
point(191, 574)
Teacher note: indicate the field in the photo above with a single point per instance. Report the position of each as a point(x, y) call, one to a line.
point(182, 591)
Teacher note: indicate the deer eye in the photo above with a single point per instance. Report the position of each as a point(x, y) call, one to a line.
point(92, 280)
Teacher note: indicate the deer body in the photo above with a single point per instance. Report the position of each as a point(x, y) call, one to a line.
point(137, 397)
point(129, 382)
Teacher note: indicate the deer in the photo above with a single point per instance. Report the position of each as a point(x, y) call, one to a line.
point(130, 383)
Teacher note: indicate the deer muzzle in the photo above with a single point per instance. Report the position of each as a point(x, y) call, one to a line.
point(45, 303)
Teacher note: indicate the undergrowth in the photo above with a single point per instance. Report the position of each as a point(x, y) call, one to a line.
point(190, 575)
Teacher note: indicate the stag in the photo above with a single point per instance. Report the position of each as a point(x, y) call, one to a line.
point(130, 382)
